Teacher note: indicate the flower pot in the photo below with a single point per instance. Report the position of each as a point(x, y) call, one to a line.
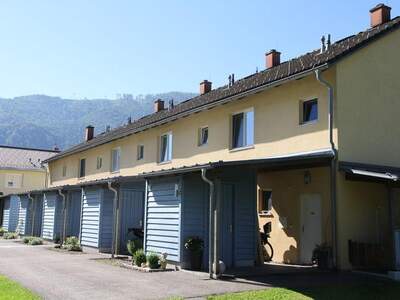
point(323, 260)
point(196, 259)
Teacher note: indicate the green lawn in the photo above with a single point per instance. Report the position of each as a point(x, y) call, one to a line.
point(377, 290)
point(10, 290)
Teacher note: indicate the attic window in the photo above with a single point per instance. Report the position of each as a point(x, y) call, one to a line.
point(203, 136)
point(99, 162)
point(242, 129)
point(140, 152)
point(82, 168)
point(309, 111)
point(166, 147)
point(115, 159)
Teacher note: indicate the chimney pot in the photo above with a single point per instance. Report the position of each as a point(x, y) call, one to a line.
point(89, 133)
point(205, 87)
point(158, 105)
point(272, 59)
point(380, 14)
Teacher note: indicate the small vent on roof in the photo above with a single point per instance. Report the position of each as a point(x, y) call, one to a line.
point(231, 79)
point(108, 128)
point(171, 104)
point(325, 43)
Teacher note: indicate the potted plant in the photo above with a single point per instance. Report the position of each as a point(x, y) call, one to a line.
point(322, 256)
point(195, 247)
point(153, 260)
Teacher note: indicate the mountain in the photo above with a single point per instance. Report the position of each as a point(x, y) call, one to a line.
point(41, 121)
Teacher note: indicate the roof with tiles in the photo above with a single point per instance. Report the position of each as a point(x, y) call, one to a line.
point(303, 63)
point(17, 158)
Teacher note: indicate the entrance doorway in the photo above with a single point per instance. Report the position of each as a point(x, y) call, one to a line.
point(310, 235)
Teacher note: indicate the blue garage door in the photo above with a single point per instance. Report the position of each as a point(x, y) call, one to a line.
point(163, 208)
point(91, 200)
point(11, 213)
point(49, 211)
point(74, 213)
point(6, 213)
point(25, 214)
point(38, 211)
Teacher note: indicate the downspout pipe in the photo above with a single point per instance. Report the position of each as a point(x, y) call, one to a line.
point(318, 75)
point(115, 223)
point(33, 213)
point(63, 196)
point(210, 225)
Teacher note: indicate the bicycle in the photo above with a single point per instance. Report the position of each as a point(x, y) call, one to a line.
point(268, 251)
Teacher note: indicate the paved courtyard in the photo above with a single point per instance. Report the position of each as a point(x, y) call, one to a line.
point(55, 275)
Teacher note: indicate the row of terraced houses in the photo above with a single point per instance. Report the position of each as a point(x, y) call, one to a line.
point(310, 145)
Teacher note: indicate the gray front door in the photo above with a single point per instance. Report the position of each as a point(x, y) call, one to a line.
point(227, 224)
point(132, 213)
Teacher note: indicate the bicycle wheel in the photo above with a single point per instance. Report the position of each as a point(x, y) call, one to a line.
point(268, 252)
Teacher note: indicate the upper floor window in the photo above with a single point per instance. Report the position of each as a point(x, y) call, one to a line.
point(99, 162)
point(309, 111)
point(13, 181)
point(115, 159)
point(140, 152)
point(82, 167)
point(166, 147)
point(64, 171)
point(203, 136)
point(243, 129)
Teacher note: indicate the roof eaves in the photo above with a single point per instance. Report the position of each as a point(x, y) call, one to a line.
point(205, 106)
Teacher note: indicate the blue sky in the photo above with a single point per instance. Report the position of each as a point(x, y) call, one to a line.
point(94, 48)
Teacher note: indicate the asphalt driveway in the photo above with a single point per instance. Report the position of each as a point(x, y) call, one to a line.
point(55, 275)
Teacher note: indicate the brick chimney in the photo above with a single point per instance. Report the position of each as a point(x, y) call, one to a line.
point(205, 87)
point(89, 133)
point(380, 14)
point(158, 105)
point(272, 59)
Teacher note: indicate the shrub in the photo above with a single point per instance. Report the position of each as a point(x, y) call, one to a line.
point(27, 239)
point(139, 257)
point(2, 231)
point(35, 241)
point(134, 245)
point(10, 235)
point(153, 260)
point(72, 244)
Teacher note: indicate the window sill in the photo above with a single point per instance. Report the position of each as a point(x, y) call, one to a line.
point(241, 148)
point(265, 214)
point(308, 123)
point(114, 172)
point(164, 162)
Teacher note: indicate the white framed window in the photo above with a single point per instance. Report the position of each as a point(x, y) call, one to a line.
point(82, 167)
point(99, 162)
point(166, 147)
point(64, 171)
point(13, 181)
point(308, 111)
point(242, 125)
point(115, 159)
point(140, 152)
point(203, 135)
